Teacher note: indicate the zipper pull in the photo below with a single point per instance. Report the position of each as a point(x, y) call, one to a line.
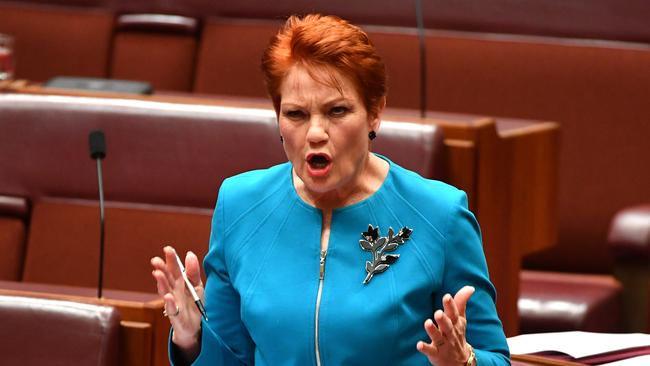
point(323, 254)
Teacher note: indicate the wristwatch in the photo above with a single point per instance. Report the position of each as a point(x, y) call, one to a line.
point(472, 356)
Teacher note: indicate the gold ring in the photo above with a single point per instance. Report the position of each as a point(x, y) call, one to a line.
point(178, 310)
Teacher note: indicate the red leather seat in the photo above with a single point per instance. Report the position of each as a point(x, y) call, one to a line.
point(51, 332)
point(555, 302)
point(629, 241)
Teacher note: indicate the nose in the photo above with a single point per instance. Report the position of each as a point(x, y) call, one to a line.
point(318, 130)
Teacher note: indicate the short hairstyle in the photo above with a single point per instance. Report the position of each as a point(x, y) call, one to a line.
point(325, 42)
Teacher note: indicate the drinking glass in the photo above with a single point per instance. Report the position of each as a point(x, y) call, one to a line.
point(6, 57)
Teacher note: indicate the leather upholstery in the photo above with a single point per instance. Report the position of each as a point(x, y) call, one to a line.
point(629, 241)
point(629, 234)
point(51, 332)
point(157, 23)
point(153, 149)
point(164, 163)
point(223, 66)
point(134, 234)
point(591, 19)
point(14, 206)
point(554, 301)
point(73, 40)
point(158, 49)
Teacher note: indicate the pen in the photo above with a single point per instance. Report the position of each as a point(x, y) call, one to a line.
point(195, 296)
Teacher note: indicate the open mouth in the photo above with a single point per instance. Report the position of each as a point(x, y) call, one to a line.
point(318, 164)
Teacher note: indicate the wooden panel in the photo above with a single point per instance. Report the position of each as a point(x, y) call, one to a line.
point(12, 247)
point(532, 154)
point(460, 160)
point(135, 343)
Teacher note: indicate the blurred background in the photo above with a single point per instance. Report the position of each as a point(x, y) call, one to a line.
point(560, 181)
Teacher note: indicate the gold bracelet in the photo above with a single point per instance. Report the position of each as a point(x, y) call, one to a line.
point(472, 356)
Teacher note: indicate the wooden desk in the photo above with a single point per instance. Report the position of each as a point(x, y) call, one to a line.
point(532, 360)
point(144, 330)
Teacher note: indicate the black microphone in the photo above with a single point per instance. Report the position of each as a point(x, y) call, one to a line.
point(98, 152)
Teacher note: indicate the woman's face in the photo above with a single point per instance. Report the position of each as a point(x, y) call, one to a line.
point(325, 131)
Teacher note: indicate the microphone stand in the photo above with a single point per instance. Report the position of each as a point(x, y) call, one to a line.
point(101, 228)
point(98, 152)
point(423, 58)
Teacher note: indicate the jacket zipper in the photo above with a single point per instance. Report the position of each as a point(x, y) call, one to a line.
point(323, 255)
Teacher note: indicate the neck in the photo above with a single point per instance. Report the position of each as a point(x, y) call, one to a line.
point(366, 182)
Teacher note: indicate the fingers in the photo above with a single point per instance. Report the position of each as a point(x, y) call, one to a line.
point(445, 326)
point(159, 264)
point(172, 262)
point(193, 269)
point(451, 310)
point(428, 349)
point(462, 297)
point(433, 332)
point(170, 305)
point(448, 343)
point(162, 284)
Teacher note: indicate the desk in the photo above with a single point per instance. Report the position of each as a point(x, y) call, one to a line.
point(532, 360)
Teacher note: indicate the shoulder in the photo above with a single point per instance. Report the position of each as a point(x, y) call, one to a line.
point(428, 204)
point(253, 189)
point(255, 181)
point(426, 195)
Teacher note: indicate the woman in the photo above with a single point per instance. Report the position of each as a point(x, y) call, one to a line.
point(339, 256)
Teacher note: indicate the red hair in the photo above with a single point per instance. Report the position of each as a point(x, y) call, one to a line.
point(327, 43)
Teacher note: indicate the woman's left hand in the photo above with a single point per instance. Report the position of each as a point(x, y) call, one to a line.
point(448, 345)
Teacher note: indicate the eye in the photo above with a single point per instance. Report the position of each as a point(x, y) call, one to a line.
point(339, 111)
point(294, 114)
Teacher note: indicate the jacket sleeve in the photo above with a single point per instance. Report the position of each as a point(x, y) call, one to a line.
point(465, 264)
point(224, 338)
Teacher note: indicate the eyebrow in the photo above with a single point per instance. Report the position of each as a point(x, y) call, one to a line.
point(327, 103)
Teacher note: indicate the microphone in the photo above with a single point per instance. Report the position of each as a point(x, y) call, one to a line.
point(98, 152)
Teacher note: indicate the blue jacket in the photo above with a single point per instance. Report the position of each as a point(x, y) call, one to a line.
point(263, 275)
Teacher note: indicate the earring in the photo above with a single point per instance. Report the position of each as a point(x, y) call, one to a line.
point(281, 139)
point(372, 135)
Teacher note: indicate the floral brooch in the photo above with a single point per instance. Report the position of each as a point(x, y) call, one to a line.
point(379, 246)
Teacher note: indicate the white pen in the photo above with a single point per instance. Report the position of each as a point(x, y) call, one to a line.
point(195, 296)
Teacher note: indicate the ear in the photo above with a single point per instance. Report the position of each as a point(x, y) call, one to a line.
point(376, 120)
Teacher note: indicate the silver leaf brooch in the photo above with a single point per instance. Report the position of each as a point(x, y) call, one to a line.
point(379, 246)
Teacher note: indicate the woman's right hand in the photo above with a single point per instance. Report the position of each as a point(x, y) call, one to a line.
point(183, 314)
